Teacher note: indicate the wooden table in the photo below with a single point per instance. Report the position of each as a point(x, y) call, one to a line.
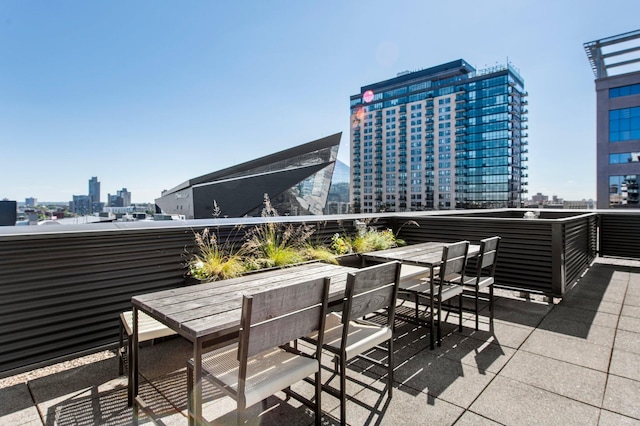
point(209, 314)
point(427, 256)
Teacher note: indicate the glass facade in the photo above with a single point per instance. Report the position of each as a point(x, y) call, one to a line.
point(624, 157)
point(443, 138)
point(631, 89)
point(623, 191)
point(624, 124)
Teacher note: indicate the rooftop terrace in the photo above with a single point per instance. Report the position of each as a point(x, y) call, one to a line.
point(575, 361)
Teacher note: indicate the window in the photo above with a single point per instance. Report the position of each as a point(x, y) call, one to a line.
point(616, 92)
point(623, 191)
point(624, 124)
point(624, 157)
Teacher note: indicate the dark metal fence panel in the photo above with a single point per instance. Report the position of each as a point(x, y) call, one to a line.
point(62, 288)
point(62, 294)
point(619, 233)
point(580, 239)
point(535, 254)
point(61, 291)
point(521, 239)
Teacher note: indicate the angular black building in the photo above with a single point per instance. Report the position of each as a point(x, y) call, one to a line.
point(297, 181)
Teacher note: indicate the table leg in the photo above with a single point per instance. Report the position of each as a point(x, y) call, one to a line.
point(133, 365)
point(431, 313)
point(197, 381)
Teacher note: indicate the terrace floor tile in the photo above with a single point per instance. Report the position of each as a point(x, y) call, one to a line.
point(563, 312)
point(630, 311)
point(608, 418)
point(510, 402)
point(502, 333)
point(575, 382)
point(627, 341)
point(569, 349)
point(17, 407)
point(625, 364)
point(621, 396)
point(629, 324)
point(469, 418)
point(442, 378)
point(591, 333)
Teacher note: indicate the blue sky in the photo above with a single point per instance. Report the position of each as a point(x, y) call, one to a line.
point(148, 94)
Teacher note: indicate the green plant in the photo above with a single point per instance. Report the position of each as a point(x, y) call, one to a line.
point(367, 239)
point(214, 261)
point(274, 244)
point(319, 253)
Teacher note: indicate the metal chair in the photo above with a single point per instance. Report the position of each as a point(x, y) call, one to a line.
point(148, 329)
point(484, 273)
point(262, 362)
point(445, 280)
point(369, 290)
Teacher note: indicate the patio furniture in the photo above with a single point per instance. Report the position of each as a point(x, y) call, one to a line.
point(443, 285)
point(369, 290)
point(420, 268)
point(262, 362)
point(148, 329)
point(209, 314)
point(484, 274)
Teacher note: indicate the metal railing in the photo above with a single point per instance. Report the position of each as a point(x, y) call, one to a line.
point(62, 288)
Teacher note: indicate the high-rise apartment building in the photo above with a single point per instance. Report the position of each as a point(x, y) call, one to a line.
point(94, 190)
point(616, 65)
point(121, 199)
point(439, 138)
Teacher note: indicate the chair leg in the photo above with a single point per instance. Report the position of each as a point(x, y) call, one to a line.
point(318, 398)
point(130, 373)
point(439, 338)
point(460, 312)
point(343, 391)
point(120, 349)
point(240, 415)
point(477, 309)
point(431, 319)
point(390, 369)
point(491, 303)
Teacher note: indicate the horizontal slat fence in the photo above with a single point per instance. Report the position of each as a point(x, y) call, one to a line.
point(532, 252)
point(619, 233)
point(62, 288)
point(61, 291)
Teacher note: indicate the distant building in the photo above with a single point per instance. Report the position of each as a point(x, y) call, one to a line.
point(616, 65)
point(81, 205)
point(121, 199)
point(30, 202)
point(8, 212)
point(539, 198)
point(94, 195)
point(445, 137)
point(297, 181)
point(338, 199)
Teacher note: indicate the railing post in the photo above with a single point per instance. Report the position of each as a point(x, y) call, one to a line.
point(558, 281)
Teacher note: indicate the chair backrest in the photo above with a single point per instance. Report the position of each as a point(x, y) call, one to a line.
point(454, 260)
point(371, 289)
point(488, 256)
point(278, 316)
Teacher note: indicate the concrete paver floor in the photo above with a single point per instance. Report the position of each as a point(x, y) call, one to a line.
point(573, 362)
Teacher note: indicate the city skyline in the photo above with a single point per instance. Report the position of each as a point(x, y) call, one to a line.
point(146, 95)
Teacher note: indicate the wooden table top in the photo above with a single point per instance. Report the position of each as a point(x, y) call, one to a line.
point(427, 254)
point(210, 310)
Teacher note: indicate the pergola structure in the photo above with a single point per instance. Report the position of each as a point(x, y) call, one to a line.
point(606, 53)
